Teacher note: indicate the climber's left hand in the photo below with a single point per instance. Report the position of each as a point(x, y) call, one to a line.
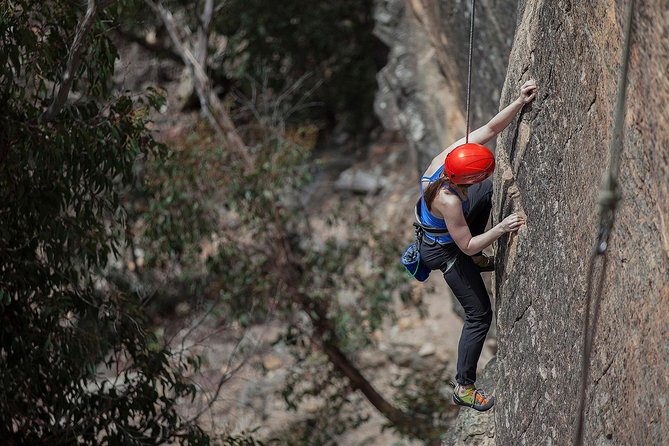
point(528, 91)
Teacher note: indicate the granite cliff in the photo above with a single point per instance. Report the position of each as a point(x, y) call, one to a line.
point(550, 165)
point(550, 162)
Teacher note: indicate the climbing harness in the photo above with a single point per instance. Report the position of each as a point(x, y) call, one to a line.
point(608, 201)
point(422, 228)
point(410, 259)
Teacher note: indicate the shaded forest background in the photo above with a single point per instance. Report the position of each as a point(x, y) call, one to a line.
point(162, 179)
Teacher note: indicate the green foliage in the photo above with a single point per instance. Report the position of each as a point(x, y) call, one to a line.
point(241, 440)
point(174, 204)
point(422, 394)
point(268, 48)
point(330, 395)
point(279, 42)
point(268, 253)
point(77, 364)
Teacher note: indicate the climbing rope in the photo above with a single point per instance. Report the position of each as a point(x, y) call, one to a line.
point(608, 201)
point(469, 70)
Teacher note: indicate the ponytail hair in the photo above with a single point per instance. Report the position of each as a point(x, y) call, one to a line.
point(431, 191)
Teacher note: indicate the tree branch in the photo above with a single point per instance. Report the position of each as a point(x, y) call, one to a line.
point(326, 336)
point(156, 48)
point(74, 58)
point(325, 332)
point(211, 105)
point(201, 47)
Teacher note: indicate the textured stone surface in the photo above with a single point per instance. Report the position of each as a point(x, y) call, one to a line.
point(422, 89)
point(549, 165)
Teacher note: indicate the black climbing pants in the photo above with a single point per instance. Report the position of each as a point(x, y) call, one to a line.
point(464, 279)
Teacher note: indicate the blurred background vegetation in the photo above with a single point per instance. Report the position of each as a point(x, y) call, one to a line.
point(183, 181)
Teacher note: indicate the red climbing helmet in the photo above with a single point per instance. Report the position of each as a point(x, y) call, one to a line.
point(469, 163)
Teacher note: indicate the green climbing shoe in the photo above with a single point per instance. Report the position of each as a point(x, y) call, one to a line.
point(472, 397)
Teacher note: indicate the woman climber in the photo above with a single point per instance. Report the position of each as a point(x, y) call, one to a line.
point(456, 198)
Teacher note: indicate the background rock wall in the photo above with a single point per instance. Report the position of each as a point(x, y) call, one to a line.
point(549, 165)
point(422, 89)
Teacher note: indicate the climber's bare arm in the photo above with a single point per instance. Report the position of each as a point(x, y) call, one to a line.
point(484, 134)
point(450, 208)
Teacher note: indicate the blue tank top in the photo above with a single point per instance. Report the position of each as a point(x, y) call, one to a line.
point(426, 216)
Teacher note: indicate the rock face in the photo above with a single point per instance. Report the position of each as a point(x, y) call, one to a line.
point(550, 163)
point(422, 89)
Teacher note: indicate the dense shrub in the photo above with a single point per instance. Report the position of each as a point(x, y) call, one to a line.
point(76, 361)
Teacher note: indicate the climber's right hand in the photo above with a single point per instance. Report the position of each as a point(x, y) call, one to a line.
point(512, 223)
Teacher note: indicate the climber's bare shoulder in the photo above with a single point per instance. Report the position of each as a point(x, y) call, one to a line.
point(447, 204)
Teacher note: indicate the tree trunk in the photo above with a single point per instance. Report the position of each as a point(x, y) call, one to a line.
point(324, 334)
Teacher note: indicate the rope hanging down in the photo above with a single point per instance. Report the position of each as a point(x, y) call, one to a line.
point(608, 201)
point(469, 70)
